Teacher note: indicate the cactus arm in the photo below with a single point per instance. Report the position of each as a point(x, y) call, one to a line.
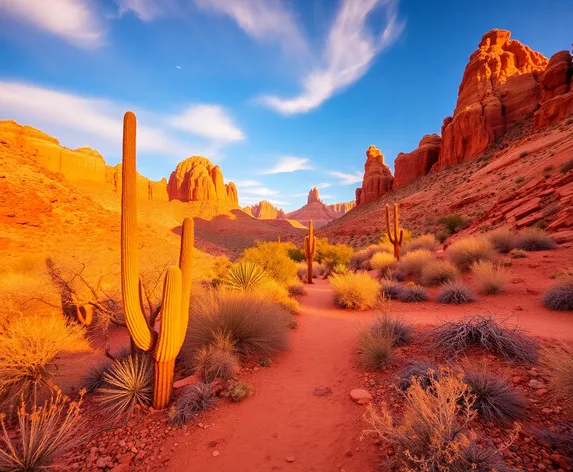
point(309, 251)
point(136, 322)
point(401, 237)
point(388, 230)
point(186, 266)
point(168, 342)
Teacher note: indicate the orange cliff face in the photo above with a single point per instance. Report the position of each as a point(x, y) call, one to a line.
point(409, 166)
point(265, 210)
point(377, 179)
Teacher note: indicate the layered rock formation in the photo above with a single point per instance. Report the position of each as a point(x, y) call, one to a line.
point(377, 179)
point(409, 166)
point(342, 208)
point(146, 188)
point(196, 179)
point(318, 211)
point(265, 210)
point(313, 196)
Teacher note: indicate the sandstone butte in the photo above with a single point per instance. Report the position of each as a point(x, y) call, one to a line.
point(194, 179)
point(504, 83)
point(318, 211)
point(265, 210)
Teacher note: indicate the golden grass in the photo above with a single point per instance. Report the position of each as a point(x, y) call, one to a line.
point(438, 272)
point(382, 261)
point(558, 364)
point(414, 261)
point(355, 291)
point(489, 277)
point(464, 252)
point(425, 241)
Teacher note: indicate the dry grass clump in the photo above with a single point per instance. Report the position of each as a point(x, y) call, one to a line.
point(44, 432)
point(375, 349)
point(360, 260)
point(438, 272)
point(302, 270)
point(382, 262)
point(517, 253)
point(244, 276)
point(29, 351)
point(464, 252)
point(424, 371)
point(390, 289)
point(490, 277)
point(332, 254)
point(126, 385)
point(296, 289)
point(560, 295)
point(411, 293)
point(455, 292)
point(395, 328)
point(503, 239)
point(273, 258)
point(494, 398)
point(355, 291)
point(239, 390)
point(253, 324)
point(426, 241)
point(413, 262)
point(195, 398)
point(433, 433)
point(535, 240)
point(495, 336)
point(213, 362)
point(558, 364)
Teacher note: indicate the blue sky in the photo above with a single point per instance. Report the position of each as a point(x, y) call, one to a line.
point(283, 94)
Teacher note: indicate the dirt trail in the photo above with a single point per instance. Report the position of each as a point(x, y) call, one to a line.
point(284, 418)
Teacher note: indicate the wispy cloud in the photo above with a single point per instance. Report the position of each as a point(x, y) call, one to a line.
point(247, 183)
point(289, 164)
point(348, 179)
point(148, 10)
point(350, 50)
point(261, 191)
point(75, 21)
point(209, 121)
point(323, 185)
point(264, 20)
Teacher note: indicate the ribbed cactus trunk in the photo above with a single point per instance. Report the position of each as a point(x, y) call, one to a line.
point(176, 290)
point(398, 236)
point(309, 251)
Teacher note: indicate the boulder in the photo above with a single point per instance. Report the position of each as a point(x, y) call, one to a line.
point(361, 396)
point(409, 166)
point(377, 179)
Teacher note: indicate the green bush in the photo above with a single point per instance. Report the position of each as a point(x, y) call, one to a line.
point(453, 223)
point(332, 254)
point(296, 254)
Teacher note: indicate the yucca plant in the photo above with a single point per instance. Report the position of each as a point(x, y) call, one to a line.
point(127, 384)
point(244, 276)
point(43, 432)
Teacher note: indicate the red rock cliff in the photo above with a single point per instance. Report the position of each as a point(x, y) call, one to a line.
point(313, 196)
point(265, 210)
point(377, 179)
point(342, 208)
point(409, 166)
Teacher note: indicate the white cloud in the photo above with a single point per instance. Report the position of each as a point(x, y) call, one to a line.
point(348, 179)
point(349, 52)
point(303, 194)
point(261, 191)
point(289, 164)
point(247, 183)
point(75, 21)
point(148, 10)
point(323, 185)
point(209, 121)
point(262, 19)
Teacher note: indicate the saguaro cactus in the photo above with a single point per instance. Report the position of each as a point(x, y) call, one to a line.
point(398, 236)
point(176, 290)
point(309, 251)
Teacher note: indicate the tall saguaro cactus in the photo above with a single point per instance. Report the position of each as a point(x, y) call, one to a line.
point(398, 236)
point(309, 251)
point(166, 344)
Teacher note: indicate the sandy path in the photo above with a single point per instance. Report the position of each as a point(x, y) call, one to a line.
point(284, 418)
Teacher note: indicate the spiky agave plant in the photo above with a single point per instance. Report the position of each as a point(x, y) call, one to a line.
point(244, 276)
point(127, 384)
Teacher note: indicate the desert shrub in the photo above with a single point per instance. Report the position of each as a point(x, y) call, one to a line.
point(432, 434)
point(454, 337)
point(426, 241)
point(273, 258)
point(535, 240)
point(275, 292)
point(382, 262)
point(438, 272)
point(254, 325)
point(566, 166)
point(412, 293)
point(29, 350)
point(494, 398)
point(296, 289)
point(394, 328)
point(455, 292)
point(296, 254)
point(355, 291)
point(94, 377)
point(375, 349)
point(239, 390)
point(502, 239)
point(491, 278)
point(302, 270)
point(221, 265)
point(476, 459)
point(332, 254)
point(195, 398)
point(126, 385)
point(560, 295)
point(339, 269)
point(558, 364)
point(44, 432)
point(244, 276)
point(389, 289)
point(453, 223)
point(424, 371)
point(414, 261)
point(464, 252)
point(442, 235)
point(359, 260)
point(517, 253)
point(212, 363)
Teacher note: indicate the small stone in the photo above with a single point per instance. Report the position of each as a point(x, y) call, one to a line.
point(517, 380)
point(290, 458)
point(212, 444)
point(101, 463)
point(361, 396)
point(541, 391)
point(121, 443)
point(215, 453)
point(322, 391)
point(535, 384)
point(547, 411)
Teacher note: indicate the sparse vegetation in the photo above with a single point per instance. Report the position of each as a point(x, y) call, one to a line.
point(455, 292)
point(375, 349)
point(414, 261)
point(273, 258)
point(517, 253)
point(558, 364)
point(535, 240)
point(453, 223)
point(438, 272)
point(390, 289)
point(355, 291)
point(495, 399)
point(239, 390)
point(425, 372)
point(412, 293)
point(496, 337)
point(490, 277)
point(332, 254)
point(503, 239)
point(397, 329)
point(560, 295)
point(195, 398)
point(296, 289)
point(566, 166)
point(426, 241)
point(382, 262)
point(464, 252)
point(213, 362)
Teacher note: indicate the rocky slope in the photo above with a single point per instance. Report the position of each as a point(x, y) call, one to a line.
point(318, 211)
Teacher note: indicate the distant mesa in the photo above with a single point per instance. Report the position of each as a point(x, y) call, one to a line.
point(265, 210)
point(317, 211)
